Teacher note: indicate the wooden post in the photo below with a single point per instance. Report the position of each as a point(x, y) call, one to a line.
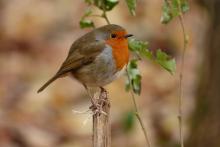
point(101, 124)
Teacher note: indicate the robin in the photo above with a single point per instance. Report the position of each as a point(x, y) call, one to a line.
point(97, 58)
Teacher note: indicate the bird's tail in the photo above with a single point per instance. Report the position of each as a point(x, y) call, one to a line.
point(48, 83)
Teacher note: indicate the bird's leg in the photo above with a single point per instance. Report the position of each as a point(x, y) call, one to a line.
point(96, 105)
point(103, 100)
point(103, 91)
point(103, 95)
point(90, 96)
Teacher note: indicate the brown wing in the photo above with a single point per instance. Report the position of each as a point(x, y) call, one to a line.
point(77, 58)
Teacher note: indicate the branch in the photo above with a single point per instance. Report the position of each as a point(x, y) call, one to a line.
point(180, 117)
point(104, 15)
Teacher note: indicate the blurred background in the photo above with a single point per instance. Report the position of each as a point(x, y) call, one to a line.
point(35, 36)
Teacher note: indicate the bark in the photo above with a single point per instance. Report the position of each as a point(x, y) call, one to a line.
point(101, 124)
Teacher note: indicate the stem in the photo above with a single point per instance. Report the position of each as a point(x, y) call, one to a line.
point(180, 117)
point(180, 97)
point(185, 41)
point(104, 15)
point(137, 114)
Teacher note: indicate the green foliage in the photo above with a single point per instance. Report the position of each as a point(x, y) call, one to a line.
point(172, 9)
point(165, 61)
point(106, 5)
point(166, 13)
point(128, 121)
point(134, 77)
point(184, 6)
point(142, 49)
point(132, 6)
point(84, 23)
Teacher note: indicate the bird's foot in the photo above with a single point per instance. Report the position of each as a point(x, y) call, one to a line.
point(98, 107)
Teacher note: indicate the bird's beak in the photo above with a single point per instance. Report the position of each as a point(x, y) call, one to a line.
point(127, 35)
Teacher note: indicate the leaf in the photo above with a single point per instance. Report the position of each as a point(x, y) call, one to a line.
point(106, 5)
point(84, 23)
point(140, 48)
point(132, 6)
point(134, 77)
point(165, 61)
point(110, 4)
point(174, 6)
point(172, 9)
point(184, 6)
point(166, 13)
point(128, 121)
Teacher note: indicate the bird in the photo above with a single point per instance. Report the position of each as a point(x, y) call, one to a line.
point(97, 58)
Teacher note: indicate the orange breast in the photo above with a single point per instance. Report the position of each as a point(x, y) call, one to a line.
point(120, 51)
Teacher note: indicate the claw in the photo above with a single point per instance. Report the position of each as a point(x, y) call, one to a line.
point(97, 108)
point(99, 112)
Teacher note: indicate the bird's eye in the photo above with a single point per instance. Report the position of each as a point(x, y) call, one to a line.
point(113, 35)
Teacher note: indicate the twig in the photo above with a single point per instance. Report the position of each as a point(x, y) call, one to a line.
point(104, 15)
point(180, 117)
point(185, 41)
point(180, 97)
point(137, 112)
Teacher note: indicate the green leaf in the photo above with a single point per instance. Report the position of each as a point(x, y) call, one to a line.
point(110, 4)
point(165, 61)
point(134, 77)
point(128, 121)
point(106, 5)
point(84, 23)
point(166, 13)
point(140, 48)
point(132, 6)
point(172, 9)
point(184, 6)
